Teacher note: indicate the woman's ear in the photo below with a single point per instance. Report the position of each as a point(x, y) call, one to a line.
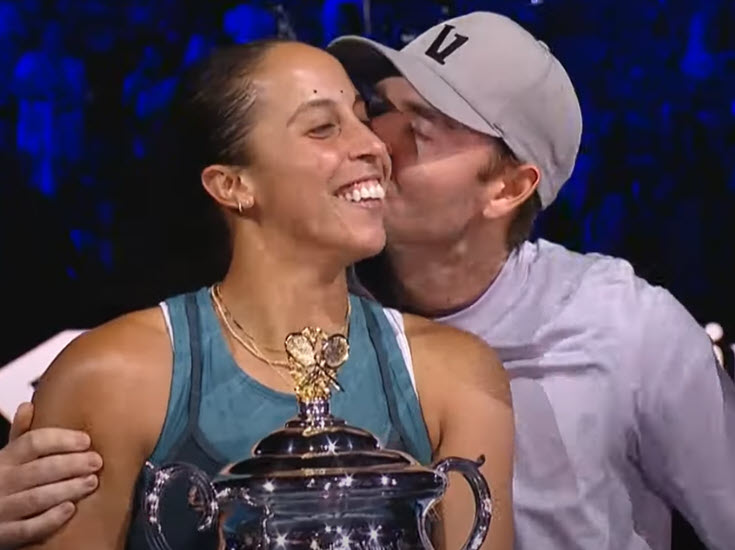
point(229, 187)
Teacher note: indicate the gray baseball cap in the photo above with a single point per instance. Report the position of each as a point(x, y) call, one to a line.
point(487, 72)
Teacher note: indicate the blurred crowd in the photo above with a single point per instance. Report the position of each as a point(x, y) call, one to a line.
point(93, 223)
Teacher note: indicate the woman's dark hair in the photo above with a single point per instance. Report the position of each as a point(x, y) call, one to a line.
point(221, 98)
point(209, 123)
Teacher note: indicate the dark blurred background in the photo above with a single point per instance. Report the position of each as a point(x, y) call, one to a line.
point(96, 215)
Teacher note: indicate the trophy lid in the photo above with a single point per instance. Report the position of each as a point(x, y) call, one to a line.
point(303, 458)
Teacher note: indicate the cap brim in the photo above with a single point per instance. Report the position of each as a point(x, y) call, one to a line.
point(368, 62)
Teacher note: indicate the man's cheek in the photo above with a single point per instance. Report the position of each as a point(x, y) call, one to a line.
point(395, 131)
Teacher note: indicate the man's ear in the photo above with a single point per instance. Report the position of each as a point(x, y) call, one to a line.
point(510, 190)
point(228, 186)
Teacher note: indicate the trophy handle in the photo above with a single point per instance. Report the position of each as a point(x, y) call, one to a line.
point(160, 478)
point(483, 505)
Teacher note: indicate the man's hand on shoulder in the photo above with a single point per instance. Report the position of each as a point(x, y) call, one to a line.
point(42, 474)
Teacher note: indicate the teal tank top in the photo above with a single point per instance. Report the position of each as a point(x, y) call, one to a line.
point(217, 412)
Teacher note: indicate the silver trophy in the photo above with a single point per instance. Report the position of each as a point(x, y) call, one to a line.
point(318, 483)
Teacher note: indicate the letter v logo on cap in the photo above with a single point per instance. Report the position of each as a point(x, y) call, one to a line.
point(441, 56)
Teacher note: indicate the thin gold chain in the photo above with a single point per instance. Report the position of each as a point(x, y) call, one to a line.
point(216, 291)
point(251, 346)
point(252, 349)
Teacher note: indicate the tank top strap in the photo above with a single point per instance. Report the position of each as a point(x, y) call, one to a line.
point(193, 446)
point(181, 426)
point(401, 398)
point(181, 439)
point(177, 412)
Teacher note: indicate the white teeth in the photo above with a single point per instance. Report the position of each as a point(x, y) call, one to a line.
point(368, 190)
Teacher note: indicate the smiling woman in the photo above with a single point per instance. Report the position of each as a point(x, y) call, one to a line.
point(299, 179)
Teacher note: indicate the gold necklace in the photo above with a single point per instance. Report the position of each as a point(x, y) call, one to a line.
point(223, 314)
point(216, 292)
point(250, 345)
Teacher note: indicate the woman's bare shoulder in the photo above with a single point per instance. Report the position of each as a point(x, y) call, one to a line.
point(119, 348)
point(121, 368)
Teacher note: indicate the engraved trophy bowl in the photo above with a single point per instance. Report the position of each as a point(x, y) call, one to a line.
point(319, 484)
